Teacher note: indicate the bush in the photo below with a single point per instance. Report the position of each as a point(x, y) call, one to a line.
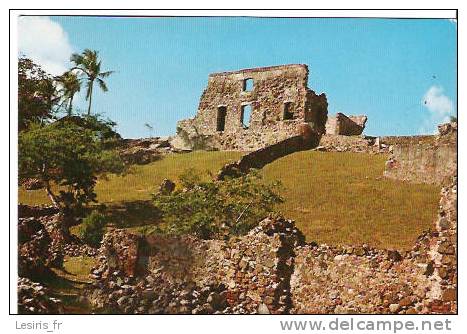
point(216, 209)
point(91, 230)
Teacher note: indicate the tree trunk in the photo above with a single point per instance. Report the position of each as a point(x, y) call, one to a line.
point(51, 195)
point(90, 98)
point(70, 106)
point(67, 220)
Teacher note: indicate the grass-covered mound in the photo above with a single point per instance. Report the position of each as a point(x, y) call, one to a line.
point(342, 198)
point(337, 198)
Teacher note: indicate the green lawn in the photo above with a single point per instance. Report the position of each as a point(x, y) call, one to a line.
point(341, 198)
point(144, 180)
point(337, 198)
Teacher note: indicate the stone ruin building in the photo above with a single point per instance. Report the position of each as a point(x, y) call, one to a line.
point(345, 125)
point(250, 109)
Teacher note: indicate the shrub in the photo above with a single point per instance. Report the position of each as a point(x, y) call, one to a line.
point(91, 230)
point(216, 209)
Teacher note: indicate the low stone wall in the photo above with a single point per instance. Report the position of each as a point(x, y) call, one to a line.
point(259, 158)
point(356, 144)
point(34, 298)
point(424, 159)
point(272, 270)
point(187, 275)
point(27, 211)
point(363, 280)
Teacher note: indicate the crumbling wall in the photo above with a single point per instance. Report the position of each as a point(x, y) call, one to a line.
point(279, 99)
point(424, 159)
point(272, 270)
point(345, 125)
point(263, 156)
point(356, 144)
point(359, 279)
point(188, 275)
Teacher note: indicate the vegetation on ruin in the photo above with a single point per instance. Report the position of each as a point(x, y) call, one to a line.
point(337, 198)
point(91, 230)
point(216, 209)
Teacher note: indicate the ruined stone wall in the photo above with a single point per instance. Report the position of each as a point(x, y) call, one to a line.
point(280, 101)
point(425, 159)
point(263, 156)
point(272, 270)
point(356, 144)
point(358, 279)
point(187, 275)
point(345, 125)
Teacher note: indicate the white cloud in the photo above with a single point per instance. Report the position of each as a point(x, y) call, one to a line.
point(439, 107)
point(454, 22)
point(45, 42)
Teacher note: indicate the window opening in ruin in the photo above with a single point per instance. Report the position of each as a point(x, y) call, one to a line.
point(288, 114)
point(245, 116)
point(248, 85)
point(221, 113)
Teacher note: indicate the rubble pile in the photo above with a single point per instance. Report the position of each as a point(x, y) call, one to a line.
point(34, 256)
point(33, 298)
point(144, 151)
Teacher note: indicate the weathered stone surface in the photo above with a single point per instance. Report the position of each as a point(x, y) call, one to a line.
point(263, 156)
point(144, 151)
point(166, 187)
point(33, 298)
point(356, 144)
point(280, 102)
point(33, 184)
point(424, 159)
point(345, 125)
point(272, 268)
point(188, 275)
point(335, 280)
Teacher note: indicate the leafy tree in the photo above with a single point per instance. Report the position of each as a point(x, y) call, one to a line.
point(89, 64)
point(37, 94)
point(216, 209)
point(67, 157)
point(70, 85)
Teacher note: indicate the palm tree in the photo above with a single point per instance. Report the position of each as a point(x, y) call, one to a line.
point(70, 86)
point(88, 63)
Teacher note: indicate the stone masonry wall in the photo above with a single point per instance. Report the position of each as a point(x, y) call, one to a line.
point(272, 270)
point(426, 159)
point(187, 275)
point(345, 125)
point(358, 279)
point(280, 101)
point(263, 156)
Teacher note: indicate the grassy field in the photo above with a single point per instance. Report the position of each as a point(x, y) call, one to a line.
point(337, 198)
point(142, 181)
point(341, 198)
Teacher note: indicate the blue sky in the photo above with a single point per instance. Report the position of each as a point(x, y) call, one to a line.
point(399, 72)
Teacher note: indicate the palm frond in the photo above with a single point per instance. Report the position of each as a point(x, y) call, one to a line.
point(105, 74)
point(102, 85)
point(77, 58)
